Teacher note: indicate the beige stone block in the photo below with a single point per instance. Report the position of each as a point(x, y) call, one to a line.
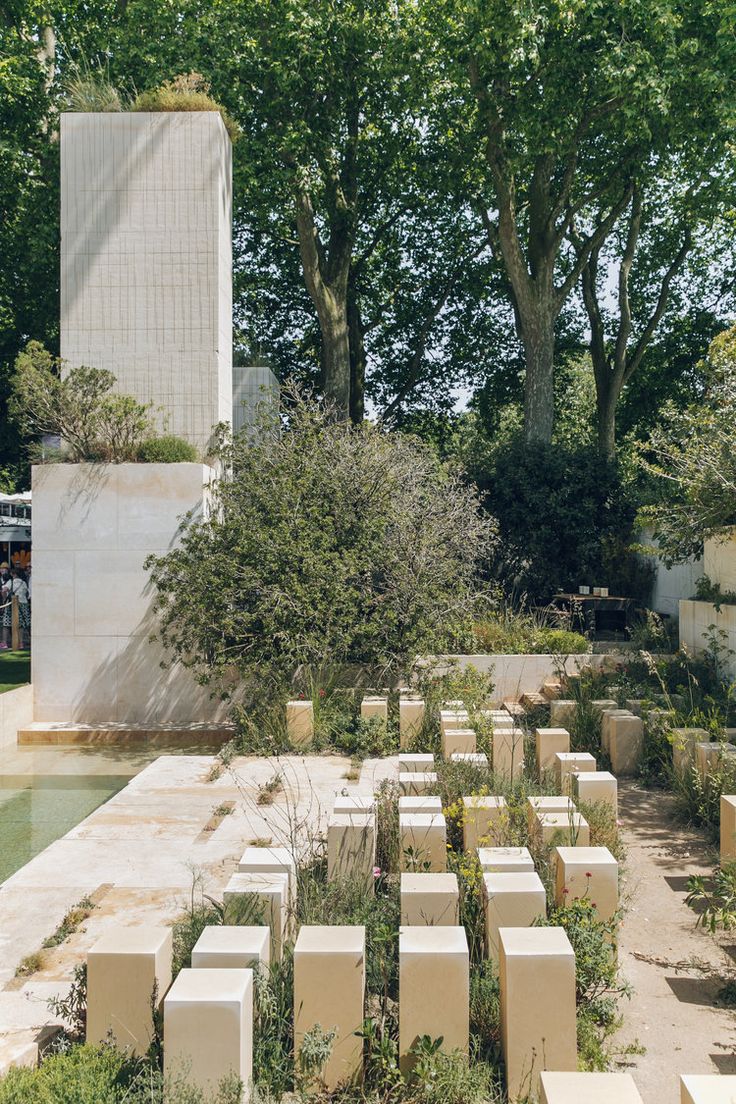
point(511, 901)
point(351, 846)
point(707, 755)
point(636, 706)
point(423, 842)
point(423, 803)
point(417, 783)
point(590, 872)
point(454, 718)
point(256, 899)
point(562, 712)
point(606, 716)
point(599, 704)
point(208, 1027)
point(125, 967)
point(411, 719)
point(571, 762)
point(270, 860)
point(485, 821)
point(329, 990)
point(458, 739)
point(374, 707)
point(432, 899)
point(232, 947)
point(684, 741)
point(548, 742)
point(434, 988)
point(508, 753)
point(416, 762)
point(596, 787)
point(475, 758)
point(545, 803)
point(626, 736)
point(538, 1027)
point(300, 722)
point(354, 803)
point(588, 1088)
point(563, 829)
point(505, 860)
point(707, 1088)
point(728, 828)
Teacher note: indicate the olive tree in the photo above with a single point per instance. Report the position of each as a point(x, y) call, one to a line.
point(329, 550)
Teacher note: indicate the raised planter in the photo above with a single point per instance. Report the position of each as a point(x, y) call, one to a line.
point(515, 675)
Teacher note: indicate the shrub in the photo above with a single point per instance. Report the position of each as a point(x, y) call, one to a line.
point(332, 553)
point(91, 90)
point(188, 92)
point(167, 449)
point(94, 423)
point(521, 634)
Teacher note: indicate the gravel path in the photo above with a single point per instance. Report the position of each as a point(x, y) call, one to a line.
point(675, 969)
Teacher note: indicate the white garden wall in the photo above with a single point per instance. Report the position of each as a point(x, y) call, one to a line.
point(514, 675)
point(93, 527)
point(16, 711)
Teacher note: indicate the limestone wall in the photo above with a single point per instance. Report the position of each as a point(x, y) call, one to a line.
point(16, 710)
point(93, 527)
point(515, 675)
point(146, 259)
point(698, 620)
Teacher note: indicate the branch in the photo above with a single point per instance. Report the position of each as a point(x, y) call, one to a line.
point(664, 294)
point(594, 241)
point(624, 272)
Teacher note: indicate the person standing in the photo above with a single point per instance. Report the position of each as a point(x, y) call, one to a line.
point(16, 587)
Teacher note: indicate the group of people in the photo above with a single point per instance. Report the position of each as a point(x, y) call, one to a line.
point(15, 583)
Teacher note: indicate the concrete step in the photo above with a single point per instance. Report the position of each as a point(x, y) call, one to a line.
point(202, 735)
point(533, 700)
point(551, 689)
point(514, 708)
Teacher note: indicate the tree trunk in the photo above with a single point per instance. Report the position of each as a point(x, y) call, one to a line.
point(606, 401)
point(538, 337)
point(333, 321)
point(357, 360)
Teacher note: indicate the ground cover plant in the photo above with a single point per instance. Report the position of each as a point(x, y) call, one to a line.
point(15, 670)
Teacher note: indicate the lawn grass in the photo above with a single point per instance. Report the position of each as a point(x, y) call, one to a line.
point(15, 669)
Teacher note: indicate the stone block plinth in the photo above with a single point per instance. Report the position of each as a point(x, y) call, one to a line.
point(707, 1088)
point(354, 803)
point(538, 1026)
point(625, 740)
point(423, 803)
point(270, 860)
point(548, 742)
point(601, 704)
point(511, 901)
point(606, 717)
point(474, 758)
point(458, 739)
point(728, 828)
point(232, 947)
point(637, 706)
point(329, 990)
point(300, 722)
point(505, 860)
point(423, 842)
point(552, 803)
point(374, 707)
point(125, 968)
point(590, 872)
point(260, 899)
point(454, 718)
point(707, 754)
point(596, 788)
point(351, 846)
point(485, 821)
point(208, 1027)
point(508, 753)
point(417, 762)
point(417, 783)
point(434, 989)
point(684, 741)
point(588, 1088)
point(430, 899)
point(411, 719)
point(562, 712)
point(567, 763)
point(563, 829)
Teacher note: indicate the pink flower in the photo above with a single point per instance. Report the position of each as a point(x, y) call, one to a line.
point(322, 692)
point(588, 874)
point(376, 872)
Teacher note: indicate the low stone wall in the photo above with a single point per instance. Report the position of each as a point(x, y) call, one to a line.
point(515, 675)
point(16, 711)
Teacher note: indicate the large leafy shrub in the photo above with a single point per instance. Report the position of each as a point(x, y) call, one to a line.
point(328, 547)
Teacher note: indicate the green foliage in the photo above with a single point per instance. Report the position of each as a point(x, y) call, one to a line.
point(708, 591)
point(90, 89)
point(692, 457)
point(94, 423)
point(167, 449)
point(519, 633)
point(188, 92)
point(330, 550)
point(714, 899)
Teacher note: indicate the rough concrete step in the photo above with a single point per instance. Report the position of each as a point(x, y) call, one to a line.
point(551, 689)
point(201, 735)
point(533, 700)
point(514, 707)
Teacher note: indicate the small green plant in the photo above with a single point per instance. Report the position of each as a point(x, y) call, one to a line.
point(30, 964)
point(167, 449)
point(268, 791)
point(72, 1009)
point(71, 923)
point(314, 1054)
point(714, 899)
